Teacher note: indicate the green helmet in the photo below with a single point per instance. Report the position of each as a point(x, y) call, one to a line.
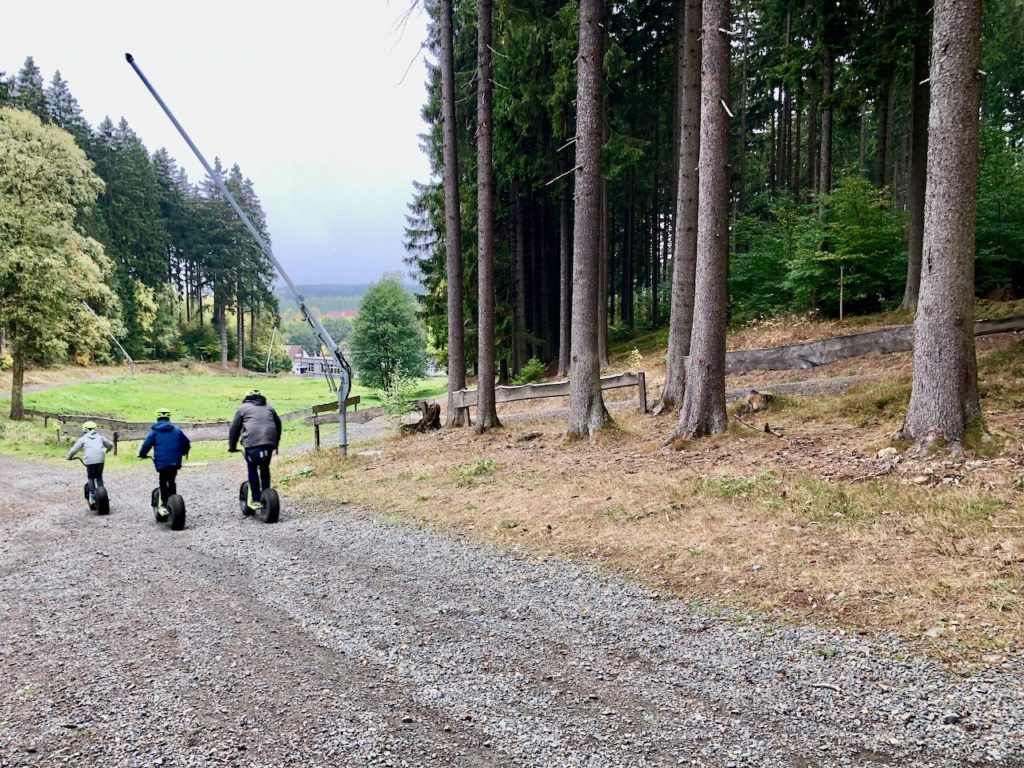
point(88, 426)
point(163, 413)
point(252, 393)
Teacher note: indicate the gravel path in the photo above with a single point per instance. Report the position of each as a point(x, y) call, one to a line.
point(339, 640)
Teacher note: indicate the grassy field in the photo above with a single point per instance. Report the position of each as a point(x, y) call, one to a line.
point(189, 396)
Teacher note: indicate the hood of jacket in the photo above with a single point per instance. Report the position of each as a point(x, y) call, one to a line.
point(163, 426)
point(256, 400)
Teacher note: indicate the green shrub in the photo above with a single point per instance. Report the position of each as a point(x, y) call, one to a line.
point(534, 370)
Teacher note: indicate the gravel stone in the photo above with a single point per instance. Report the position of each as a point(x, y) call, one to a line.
point(335, 639)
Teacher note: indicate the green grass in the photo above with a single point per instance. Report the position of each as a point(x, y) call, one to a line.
point(201, 397)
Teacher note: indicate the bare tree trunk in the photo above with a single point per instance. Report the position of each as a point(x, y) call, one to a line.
point(239, 331)
point(222, 323)
point(882, 134)
point(825, 162)
point(604, 264)
point(944, 397)
point(812, 135)
point(587, 413)
point(918, 158)
point(703, 408)
point(17, 381)
point(455, 417)
point(519, 281)
point(565, 282)
point(685, 256)
point(486, 414)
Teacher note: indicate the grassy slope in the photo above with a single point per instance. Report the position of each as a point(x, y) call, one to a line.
point(190, 396)
point(809, 527)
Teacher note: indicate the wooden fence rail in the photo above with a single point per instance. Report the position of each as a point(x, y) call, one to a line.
point(198, 431)
point(814, 353)
point(466, 398)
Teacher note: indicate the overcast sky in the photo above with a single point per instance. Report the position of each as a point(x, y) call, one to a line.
point(308, 98)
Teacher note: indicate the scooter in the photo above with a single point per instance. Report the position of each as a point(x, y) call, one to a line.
point(175, 510)
point(270, 504)
point(96, 495)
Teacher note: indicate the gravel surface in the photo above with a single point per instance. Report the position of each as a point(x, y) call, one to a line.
point(333, 639)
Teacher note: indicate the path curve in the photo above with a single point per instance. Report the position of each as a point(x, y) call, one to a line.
point(333, 639)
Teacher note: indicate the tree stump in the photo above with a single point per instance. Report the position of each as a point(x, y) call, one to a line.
point(430, 419)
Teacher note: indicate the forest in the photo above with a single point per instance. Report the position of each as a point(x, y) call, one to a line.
point(186, 279)
point(823, 117)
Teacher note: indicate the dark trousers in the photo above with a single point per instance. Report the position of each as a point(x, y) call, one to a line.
point(167, 485)
point(95, 472)
point(258, 461)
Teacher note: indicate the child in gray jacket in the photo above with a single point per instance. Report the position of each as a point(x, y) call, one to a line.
point(94, 447)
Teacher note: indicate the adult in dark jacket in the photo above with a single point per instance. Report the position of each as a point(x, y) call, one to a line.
point(259, 427)
point(169, 445)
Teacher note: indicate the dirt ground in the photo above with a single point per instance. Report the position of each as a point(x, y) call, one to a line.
point(806, 522)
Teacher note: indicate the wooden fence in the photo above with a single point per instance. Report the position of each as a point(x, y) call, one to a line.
point(815, 353)
point(466, 398)
point(70, 424)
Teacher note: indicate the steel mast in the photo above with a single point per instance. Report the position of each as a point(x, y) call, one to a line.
point(318, 329)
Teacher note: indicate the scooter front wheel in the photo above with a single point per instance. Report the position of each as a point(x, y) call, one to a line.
point(102, 501)
point(176, 510)
point(271, 509)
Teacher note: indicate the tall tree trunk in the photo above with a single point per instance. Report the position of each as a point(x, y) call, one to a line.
point(605, 288)
point(17, 380)
point(629, 257)
point(239, 332)
point(703, 408)
point(796, 143)
point(825, 162)
point(918, 157)
point(486, 414)
point(812, 134)
point(222, 323)
point(587, 413)
point(944, 395)
point(565, 281)
point(519, 281)
point(685, 255)
point(455, 417)
point(882, 133)
point(655, 231)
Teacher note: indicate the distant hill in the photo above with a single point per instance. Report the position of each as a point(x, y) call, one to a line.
point(328, 297)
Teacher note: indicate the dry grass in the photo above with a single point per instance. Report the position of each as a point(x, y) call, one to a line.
point(810, 527)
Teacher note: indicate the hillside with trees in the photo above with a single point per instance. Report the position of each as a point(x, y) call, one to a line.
point(770, 157)
point(184, 278)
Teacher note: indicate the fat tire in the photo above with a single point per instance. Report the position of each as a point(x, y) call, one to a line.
point(102, 501)
point(271, 509)
point(155, 501)
point(243, 499)
point(176, 507)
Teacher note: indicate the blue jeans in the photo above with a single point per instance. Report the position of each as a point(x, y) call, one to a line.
point(258, 461)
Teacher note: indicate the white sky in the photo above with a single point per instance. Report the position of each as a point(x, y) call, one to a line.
point(307, 97)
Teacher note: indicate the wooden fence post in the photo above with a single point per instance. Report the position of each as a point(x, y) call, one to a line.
point(641, 383)
point(316, 436)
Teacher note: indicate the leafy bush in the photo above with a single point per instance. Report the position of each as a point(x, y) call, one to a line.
point(534, 370)
point(400, 394)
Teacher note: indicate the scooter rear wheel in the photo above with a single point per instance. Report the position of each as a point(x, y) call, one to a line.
point(176, 507)
point(155, 501)
point(271, 509)
point(102, 501)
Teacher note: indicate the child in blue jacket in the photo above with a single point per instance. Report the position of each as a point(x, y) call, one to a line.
point(170, 446)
